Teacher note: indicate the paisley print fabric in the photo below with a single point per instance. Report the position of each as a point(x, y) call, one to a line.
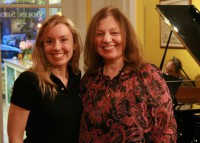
point(133, 107)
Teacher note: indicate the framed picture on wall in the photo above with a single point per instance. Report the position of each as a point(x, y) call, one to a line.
point(165, 30)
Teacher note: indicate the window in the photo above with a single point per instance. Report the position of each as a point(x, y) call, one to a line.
point(19, 18)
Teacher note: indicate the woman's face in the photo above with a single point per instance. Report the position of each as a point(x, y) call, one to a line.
point(108, 40)
point(58, 45)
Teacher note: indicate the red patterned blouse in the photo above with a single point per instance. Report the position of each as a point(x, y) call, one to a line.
point(133, 107)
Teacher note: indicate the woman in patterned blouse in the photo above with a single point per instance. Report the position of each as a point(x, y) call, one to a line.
point(125, 99)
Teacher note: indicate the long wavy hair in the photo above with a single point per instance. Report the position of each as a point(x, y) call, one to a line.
point(133, 49)
point(41, 66)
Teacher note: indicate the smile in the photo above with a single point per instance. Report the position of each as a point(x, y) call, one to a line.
point(58, 55)
point(108, 47)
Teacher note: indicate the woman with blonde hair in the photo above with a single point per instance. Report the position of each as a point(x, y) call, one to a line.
point(45, 100)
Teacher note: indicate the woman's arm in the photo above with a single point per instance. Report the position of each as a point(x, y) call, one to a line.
point(17, 119)
point(159, 98)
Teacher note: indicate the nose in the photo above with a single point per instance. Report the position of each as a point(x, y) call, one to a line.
point(57, 45)
point(167, 71)
point(107, 38)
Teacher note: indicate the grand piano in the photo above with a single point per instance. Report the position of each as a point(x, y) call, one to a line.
point(184, 22)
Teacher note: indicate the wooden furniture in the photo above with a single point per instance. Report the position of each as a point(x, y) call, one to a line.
point(189, 95)
point(12, 70)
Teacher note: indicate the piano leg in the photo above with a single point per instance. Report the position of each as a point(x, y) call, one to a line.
point(185, 126)
point(196, 138)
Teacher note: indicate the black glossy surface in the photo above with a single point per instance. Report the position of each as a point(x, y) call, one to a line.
point(186, 18)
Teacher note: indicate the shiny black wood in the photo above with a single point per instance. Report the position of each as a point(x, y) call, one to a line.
point(184, 21)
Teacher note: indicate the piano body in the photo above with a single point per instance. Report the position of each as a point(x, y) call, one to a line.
point(193, 98)
point(184, 22)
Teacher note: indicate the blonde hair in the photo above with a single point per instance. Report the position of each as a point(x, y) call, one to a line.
point(41, 66)
point(133, 49)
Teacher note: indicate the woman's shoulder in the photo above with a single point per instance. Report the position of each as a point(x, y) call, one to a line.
point(149, 71)
point(28, 75)
point(91, 74)
point(75, 76)
point(149, 67)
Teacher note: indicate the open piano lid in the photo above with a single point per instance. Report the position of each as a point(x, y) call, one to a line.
point(186, 19)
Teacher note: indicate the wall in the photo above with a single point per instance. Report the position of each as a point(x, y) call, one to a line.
point(139, 18)
point(76, 10)
point(151, 31)
point(196, 3)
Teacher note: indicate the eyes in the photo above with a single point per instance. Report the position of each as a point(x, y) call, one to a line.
point(51, 41)
point(101, 34)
